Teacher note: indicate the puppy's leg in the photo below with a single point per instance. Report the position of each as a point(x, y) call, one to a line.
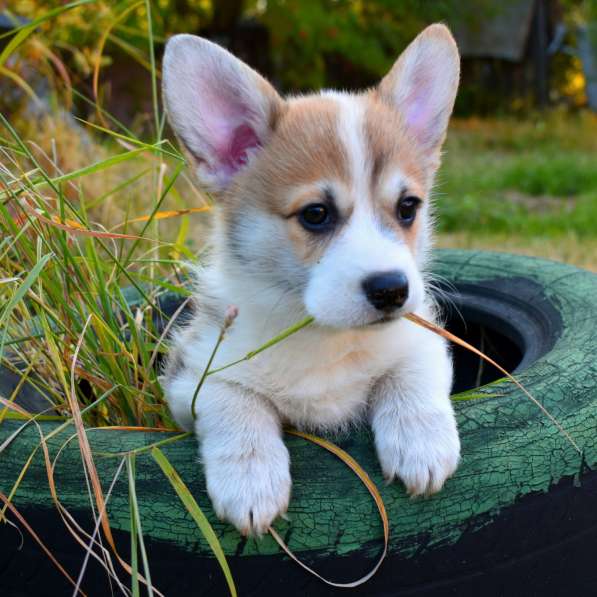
point(413, 420)
point(247, 466)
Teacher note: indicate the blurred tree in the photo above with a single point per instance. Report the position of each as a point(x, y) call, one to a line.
point(345, 43)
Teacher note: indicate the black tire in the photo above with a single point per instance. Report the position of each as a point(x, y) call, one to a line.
point(518, 518)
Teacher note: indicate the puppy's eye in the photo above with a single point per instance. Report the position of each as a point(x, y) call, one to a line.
point(316, 217)
point(406, 209)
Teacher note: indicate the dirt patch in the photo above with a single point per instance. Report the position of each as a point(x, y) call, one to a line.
point(541, 204)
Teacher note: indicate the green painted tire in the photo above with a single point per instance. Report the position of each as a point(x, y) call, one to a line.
point(516, 468)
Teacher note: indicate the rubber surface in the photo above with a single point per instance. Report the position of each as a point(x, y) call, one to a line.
point(518, 515)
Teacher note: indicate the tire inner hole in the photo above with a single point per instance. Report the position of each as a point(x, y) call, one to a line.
point(485, 332)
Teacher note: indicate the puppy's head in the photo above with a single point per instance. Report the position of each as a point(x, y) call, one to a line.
point(323, 199)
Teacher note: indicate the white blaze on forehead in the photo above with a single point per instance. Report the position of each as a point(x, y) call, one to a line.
point(351, 132)
point(392, 183)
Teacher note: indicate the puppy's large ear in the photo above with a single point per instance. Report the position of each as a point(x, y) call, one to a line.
point(221, 110)
point(422, 85)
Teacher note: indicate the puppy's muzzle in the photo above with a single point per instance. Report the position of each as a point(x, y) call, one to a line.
point(386, 291)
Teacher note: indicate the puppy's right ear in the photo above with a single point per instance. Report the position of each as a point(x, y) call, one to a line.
point(422, 85)
point(221, 110)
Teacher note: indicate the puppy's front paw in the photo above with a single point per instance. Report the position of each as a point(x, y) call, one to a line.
point(423, 451)
point(250, 490)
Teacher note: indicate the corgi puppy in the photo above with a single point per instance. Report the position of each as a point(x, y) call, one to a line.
point(322, 208)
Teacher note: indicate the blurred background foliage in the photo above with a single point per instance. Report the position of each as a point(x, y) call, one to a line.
point(520, 167)
point(308, 44)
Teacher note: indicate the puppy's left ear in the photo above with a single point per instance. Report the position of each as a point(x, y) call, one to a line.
point(422, 85)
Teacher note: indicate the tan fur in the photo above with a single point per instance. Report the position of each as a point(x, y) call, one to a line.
point(390, 145)
point(306, 147)
point(304, 150)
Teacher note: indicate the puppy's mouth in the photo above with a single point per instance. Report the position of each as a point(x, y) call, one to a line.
point(383, 320)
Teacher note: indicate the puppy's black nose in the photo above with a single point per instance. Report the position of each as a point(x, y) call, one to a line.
point(386, 291)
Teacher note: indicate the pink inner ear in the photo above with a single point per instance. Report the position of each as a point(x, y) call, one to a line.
point(243, 138)
point(233, 152)
point(426, 103)
point(227, 129)
point(419, 108)
point(419, 112)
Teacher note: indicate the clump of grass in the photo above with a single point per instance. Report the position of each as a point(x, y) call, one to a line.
point(100, 216)
point(81, 269)
point(93, 232)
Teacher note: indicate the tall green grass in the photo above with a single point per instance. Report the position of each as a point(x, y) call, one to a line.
point(79, 272)
point(94, 223)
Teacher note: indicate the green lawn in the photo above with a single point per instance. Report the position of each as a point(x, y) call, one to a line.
point(526, 186)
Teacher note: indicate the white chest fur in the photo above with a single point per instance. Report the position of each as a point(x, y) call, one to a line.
point(319, 377)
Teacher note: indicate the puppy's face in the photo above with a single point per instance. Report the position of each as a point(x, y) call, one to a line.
point(324, 199)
